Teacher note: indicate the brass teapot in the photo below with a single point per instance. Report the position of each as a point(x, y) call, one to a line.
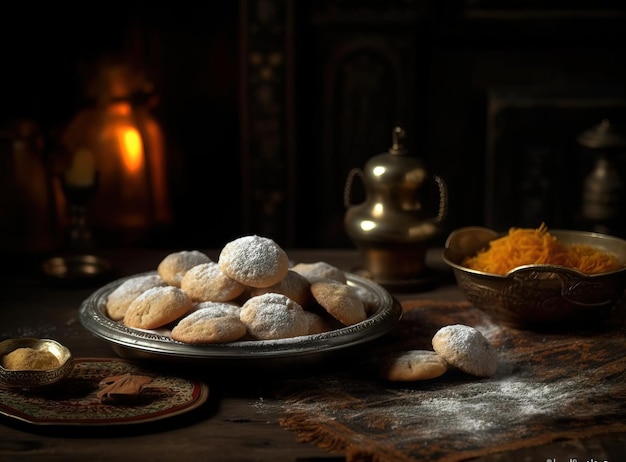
point(393, 227)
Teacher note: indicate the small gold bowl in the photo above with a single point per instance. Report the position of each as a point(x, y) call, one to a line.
point(539, 297)
point(29, 377)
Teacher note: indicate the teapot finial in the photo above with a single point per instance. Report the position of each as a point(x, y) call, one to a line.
point(398, 136)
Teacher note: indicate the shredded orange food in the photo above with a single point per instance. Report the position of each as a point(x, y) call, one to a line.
point(524, 246)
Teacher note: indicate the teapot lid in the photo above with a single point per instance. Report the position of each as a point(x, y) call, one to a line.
point(396, 156)
point(395, 167)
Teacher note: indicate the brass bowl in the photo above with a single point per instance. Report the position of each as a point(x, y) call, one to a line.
point(539, 296)
point(28, 378)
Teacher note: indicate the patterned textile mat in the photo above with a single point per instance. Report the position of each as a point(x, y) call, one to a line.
point(76, 401)
point(548, 386)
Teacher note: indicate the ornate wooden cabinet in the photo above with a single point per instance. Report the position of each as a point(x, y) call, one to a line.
point(491, 93)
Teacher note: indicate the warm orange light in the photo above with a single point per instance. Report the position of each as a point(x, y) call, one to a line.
point(131, 148)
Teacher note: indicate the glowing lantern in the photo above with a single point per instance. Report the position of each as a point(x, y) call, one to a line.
point(127, 143)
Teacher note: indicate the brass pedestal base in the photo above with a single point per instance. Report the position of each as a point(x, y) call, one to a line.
point(398, 268)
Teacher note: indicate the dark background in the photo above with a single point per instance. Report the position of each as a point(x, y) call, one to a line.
point(491, 93)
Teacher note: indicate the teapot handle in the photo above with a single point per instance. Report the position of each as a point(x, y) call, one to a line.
point(443, 199)
point(347, 192)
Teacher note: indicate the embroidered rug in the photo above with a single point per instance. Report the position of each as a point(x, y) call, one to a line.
point(548, 386)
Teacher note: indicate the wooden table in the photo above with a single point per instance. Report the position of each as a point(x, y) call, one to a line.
point(238, 423)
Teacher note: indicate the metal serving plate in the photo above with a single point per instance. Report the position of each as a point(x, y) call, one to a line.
point(151, 345)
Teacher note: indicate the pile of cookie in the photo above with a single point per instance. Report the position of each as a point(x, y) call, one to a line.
point(456, 346)
point(250, 293)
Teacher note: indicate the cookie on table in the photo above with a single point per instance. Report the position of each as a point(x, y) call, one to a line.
point(293, 285)
point(413, 365)
point(273, 316)
point(157, 307)
point(467, 349)
point(206, 282)
point(174, 266)
point(339, 300)
point(254, 261)
point(121, 297)
point(320, 270)
point(215, 323)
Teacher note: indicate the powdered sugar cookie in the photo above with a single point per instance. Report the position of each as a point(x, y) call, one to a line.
point(207, 282)
point(413, 365)
point(122, 296)
point(208, 326)
point(273, 316)
point(370, 299)
point(339, 300)
point(157, 307)
point(174, 266)
point(320, 270)
point(317, 324)
point(465, 348)
point(218, 309)
point(254, 261)
point(294, 285)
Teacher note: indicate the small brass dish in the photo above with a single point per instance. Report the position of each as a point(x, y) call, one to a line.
point(30, 378)
point(539, 297)
point(76, 270)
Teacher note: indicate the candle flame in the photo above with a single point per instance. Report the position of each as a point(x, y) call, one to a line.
point(132, 149)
